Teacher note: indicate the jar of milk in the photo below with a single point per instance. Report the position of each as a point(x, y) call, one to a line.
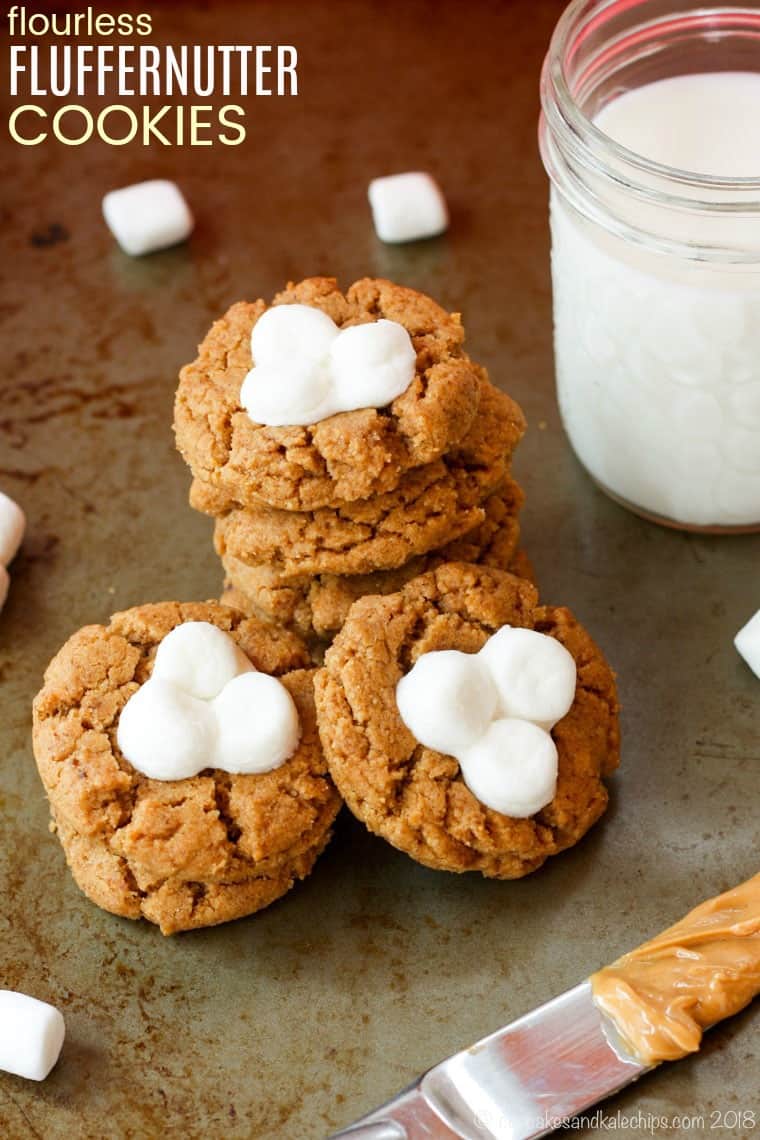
point(650, 133)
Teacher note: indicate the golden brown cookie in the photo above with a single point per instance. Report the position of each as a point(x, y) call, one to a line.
point(432, 506)
point(318, 606)
point(183, 853)
point(416, 798)
point(348, 456)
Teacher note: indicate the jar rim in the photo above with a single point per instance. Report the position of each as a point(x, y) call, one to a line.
point(601, 146)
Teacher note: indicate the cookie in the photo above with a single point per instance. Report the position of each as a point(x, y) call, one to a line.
point(432, 506)
point(416, 798)
point(183, 853)
point(317, 606)
point(348, 456)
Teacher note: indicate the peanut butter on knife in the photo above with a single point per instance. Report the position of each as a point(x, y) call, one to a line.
point(663, 995)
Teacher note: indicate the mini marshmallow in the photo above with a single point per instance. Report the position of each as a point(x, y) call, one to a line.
point(165, 732)
point(447, 700)
point(148, 216)
point(492, 711)
point(534, 674)
point(407, 207)
point(12, 527)
point(285, 334)
point(302, 395)
point(273, 739)
point(747, 642)
point(31, 1035)
point(512, 768)
point(306, 369)
point(206, 706)
point(371, 364)
point(199, 658)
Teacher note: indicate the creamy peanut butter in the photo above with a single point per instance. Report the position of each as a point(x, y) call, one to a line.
point(663, 995)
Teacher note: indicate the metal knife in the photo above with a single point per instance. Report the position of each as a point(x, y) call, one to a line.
point(521, 1082)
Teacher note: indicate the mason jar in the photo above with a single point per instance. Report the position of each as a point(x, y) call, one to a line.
point(655, 270)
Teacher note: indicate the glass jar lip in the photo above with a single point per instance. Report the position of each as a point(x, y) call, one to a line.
point(602, 146)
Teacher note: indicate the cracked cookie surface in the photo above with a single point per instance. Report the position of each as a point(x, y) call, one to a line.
point(348, 456)
point(432, 506)
point(183, 853)
point(416, 798)
point(318, 605)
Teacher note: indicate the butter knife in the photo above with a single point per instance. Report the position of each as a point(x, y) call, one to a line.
point(520, 1082)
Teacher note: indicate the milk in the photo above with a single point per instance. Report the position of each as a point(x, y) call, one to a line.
point(658, 357)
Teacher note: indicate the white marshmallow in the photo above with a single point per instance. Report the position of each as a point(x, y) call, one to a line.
point(300, 396)
point(306, 369)
point(406, 207)
point(258, 724)
point(206, 706)
point(288, 333)
point(200, 659)
point(447, 700)
point(747, 642)
point(371, 364)
point(512, 768)
point(12, 527)
point(31, 1035)
point(148, 216)
point(493, 711)
point(166, 733)
point(534, 674)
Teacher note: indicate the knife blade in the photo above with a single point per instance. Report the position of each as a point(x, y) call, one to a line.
point(518, 1083)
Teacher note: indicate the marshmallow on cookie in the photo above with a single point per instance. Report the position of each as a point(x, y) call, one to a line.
point(306, 369)
point(494, 711)
point(206, 706)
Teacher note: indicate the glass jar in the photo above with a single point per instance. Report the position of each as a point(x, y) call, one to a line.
point(656, 271)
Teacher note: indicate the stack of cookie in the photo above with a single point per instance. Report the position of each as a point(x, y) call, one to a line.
point(310, 518)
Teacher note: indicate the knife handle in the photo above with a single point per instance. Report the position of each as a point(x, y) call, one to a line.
point(408, 1117)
